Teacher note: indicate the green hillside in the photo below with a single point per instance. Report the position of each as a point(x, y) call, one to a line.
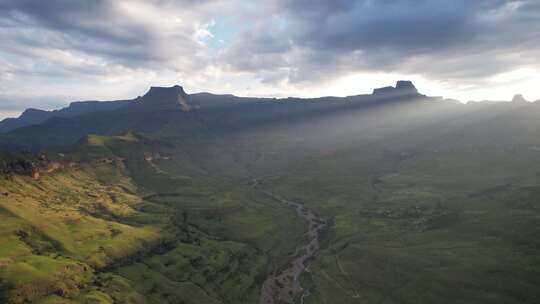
point(92, 233)
point(417, 201)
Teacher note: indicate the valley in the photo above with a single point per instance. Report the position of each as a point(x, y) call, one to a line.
point(269, 152)
point(394, 199)
point(283, 285)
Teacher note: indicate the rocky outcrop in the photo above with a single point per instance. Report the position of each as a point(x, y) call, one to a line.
point(406, 87)
point(35, 168)
point(17, 167)
point(163, 98)
point(384, 91)
point(403, 88)
point(518, 98)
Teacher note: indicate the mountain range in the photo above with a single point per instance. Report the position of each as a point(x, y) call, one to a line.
point(161, 105)
point(173, 98)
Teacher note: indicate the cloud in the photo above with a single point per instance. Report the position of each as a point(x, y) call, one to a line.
point(18, 104)
point(129, 33)
point(57, 50)
point(76, 49)
point(454, 41)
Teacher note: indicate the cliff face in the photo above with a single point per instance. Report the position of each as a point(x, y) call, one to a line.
point(519, 99)
point(15, 165)
point(162, 98)
point(403, 88)
point(406, 87)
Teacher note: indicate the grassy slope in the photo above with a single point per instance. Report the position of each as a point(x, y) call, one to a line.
point(235, 234)
point(106, 230)
point(452, 227)
point(444, 213)
point(50, 233)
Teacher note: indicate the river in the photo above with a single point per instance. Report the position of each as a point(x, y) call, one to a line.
point(284, 286)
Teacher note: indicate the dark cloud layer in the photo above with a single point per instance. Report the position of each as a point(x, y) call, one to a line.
point(91, 26)
point(425, 36)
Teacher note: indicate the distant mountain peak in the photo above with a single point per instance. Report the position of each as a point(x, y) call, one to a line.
point(34, 115)
point(176, 89)
point(32, 112)
point(406, 85)
point(519, 98)
point(167, 98)
point(402, 88)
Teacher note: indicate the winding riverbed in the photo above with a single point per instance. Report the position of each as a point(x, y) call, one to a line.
point(284, 286)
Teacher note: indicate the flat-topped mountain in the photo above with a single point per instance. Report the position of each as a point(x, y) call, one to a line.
point(519, 98)
point(403, 88)
point(166, 98)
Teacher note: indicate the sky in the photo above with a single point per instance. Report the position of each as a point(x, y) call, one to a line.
point(56, 51)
